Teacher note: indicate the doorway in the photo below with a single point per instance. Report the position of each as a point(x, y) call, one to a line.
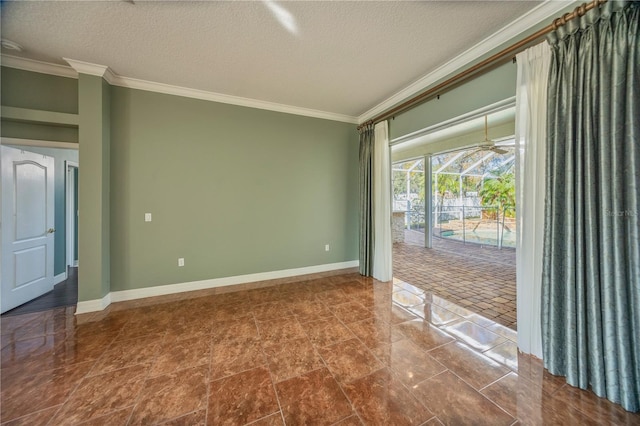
point(474, 196)
point(453, 221)
point(62, 287)
point(28, 226)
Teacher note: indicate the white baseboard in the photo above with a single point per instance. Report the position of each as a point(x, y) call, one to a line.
point(163, 290)
point(93, 305)
point(57, 279)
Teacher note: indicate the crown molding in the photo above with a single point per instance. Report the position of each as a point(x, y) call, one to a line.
point(134, 83)
point(80, 67)
point(88, 68)
point(544, 11)
point(37, 66)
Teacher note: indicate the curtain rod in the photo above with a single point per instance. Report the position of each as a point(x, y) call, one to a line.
point(494, 60)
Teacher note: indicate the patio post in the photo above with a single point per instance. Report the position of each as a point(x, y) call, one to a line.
point(498, 242)
point(428, 203)
point(464, 227)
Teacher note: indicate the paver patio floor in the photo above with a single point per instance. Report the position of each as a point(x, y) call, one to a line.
point(479, 278)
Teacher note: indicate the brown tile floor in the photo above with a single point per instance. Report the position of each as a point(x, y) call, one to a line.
point(481, 278)
point(341, 350)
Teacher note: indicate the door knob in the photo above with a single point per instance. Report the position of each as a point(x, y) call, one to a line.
point(51, 231)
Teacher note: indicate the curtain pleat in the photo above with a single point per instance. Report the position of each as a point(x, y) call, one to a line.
point(591, 262)
point(366, 201)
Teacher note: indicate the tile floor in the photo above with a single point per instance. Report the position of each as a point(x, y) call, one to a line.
point(63, 294)
point(481, 278)
point(339, 350)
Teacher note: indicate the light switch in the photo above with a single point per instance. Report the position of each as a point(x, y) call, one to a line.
point(147, 217)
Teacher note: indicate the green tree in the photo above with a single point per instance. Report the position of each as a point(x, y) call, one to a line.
point(500, 192)
point(446, 182)
point(399, 180)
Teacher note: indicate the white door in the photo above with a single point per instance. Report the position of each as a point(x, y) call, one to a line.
point(27, 226)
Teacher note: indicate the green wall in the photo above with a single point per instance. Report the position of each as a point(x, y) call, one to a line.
point(94, 231)
point(36, 91)
point(60, 156)
point(494, 86)
point(22, 130)
point(233, 190)
point(32, 90)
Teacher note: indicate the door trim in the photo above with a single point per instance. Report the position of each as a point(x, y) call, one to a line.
point(40, 143)
point(70, 212)
point(57, 279)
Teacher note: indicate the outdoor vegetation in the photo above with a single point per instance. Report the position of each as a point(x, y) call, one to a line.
point(474, 185)
point(500, 192)
point(409, 191)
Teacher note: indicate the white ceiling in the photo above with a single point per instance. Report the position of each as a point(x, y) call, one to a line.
point(341, 57)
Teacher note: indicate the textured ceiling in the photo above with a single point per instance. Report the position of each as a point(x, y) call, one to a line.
point(339, 57)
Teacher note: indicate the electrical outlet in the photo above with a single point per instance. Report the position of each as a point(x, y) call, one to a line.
point(326, 247)
point(147, 217)
point(181, 261)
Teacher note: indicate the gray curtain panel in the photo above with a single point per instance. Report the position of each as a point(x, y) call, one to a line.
point(591, 262)
point(366, 200)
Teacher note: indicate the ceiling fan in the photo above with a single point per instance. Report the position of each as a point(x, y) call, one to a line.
point(487, 144)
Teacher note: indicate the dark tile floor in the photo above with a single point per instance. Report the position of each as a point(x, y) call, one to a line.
point(481, 278)
point(63, 294)
point(338, 350)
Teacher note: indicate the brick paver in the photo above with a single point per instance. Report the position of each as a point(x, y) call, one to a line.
point(480, 278)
